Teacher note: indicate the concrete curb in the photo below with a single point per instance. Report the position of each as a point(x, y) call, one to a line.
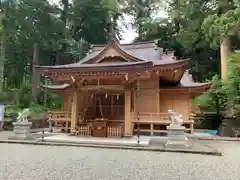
point(187, 151)
point(217, 139)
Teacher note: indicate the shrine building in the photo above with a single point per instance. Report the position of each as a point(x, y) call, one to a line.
point(119, 89)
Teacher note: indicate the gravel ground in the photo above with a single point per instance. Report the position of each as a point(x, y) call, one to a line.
point(27, 162)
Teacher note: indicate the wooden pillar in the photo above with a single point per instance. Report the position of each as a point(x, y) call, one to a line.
point(74, 114)
point(112, 109)
point(157, 95)
point(135, 102)
point(127, 114)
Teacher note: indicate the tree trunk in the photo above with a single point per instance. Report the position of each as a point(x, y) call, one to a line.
point(35, 75)
point(64, 17)
point(2, 60)
point(225, 49)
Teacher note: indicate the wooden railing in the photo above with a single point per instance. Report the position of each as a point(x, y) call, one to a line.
point(60, 119)
point(157, 122)
point(160, 118)
point(59, 116)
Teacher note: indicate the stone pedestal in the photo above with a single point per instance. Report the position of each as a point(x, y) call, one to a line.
point(21, 130)
point(176, 136)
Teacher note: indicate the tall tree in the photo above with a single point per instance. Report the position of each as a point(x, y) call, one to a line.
point(181, 31)
point(142, 11)
point(220, 27)
point(6, 6)
point(93, 20)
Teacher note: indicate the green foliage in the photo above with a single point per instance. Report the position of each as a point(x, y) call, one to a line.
point(218, 27)
point(223, 95)
point(25, 96)
point(93, 21)
point(11, 112)
point(37, 110)
point(215, 99)
point(207, 120)
point(16, 100)
point(233, 81)
point(55, 102)
point(64, 35)
point(181, 31)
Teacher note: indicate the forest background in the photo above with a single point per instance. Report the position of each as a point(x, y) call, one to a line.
point(42, 32)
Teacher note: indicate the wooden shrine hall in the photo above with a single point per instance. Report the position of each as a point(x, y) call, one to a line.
point(118, 88)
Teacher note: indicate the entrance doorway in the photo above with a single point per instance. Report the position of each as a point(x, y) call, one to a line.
point(109, 106)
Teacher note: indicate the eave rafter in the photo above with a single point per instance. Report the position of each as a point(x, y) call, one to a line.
point(191, 90)
point(178, 65)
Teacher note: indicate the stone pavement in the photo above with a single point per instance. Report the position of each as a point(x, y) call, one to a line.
point(205, 136)
point(29, 162)
point(129, 141)
point(146, 143)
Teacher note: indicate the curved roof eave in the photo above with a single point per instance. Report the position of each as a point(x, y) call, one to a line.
point(197, 86)
point(128, 66)
point(57, 87)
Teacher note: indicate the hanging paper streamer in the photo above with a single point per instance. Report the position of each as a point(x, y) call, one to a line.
point(106, 95)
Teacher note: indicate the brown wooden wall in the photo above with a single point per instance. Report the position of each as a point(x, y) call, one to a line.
point(149, 95)
point(179, 102)
point(66, 101)
point(152, 100)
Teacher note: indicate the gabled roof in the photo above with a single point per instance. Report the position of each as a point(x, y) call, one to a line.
point(134, 53)
point(136, 56)
point(141, 51)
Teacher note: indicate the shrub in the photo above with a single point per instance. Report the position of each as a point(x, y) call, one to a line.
point(25, 96)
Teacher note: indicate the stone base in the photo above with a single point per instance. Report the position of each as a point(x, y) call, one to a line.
point(176, 137)
point(21, 130)
point(13, 137)
point(127, 135)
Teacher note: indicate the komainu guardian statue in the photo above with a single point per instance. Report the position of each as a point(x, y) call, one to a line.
point(23, 115)
point(174, 118)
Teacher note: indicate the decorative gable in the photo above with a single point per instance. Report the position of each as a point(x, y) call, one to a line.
point(112, 53)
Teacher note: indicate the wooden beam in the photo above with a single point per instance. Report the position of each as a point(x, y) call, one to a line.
point(102, 87)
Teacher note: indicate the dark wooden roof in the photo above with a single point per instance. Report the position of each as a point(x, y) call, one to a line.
point(135, 52)
point(139, 56)
point(143, 51)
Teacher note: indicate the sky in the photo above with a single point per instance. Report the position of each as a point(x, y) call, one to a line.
point(129, 33)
